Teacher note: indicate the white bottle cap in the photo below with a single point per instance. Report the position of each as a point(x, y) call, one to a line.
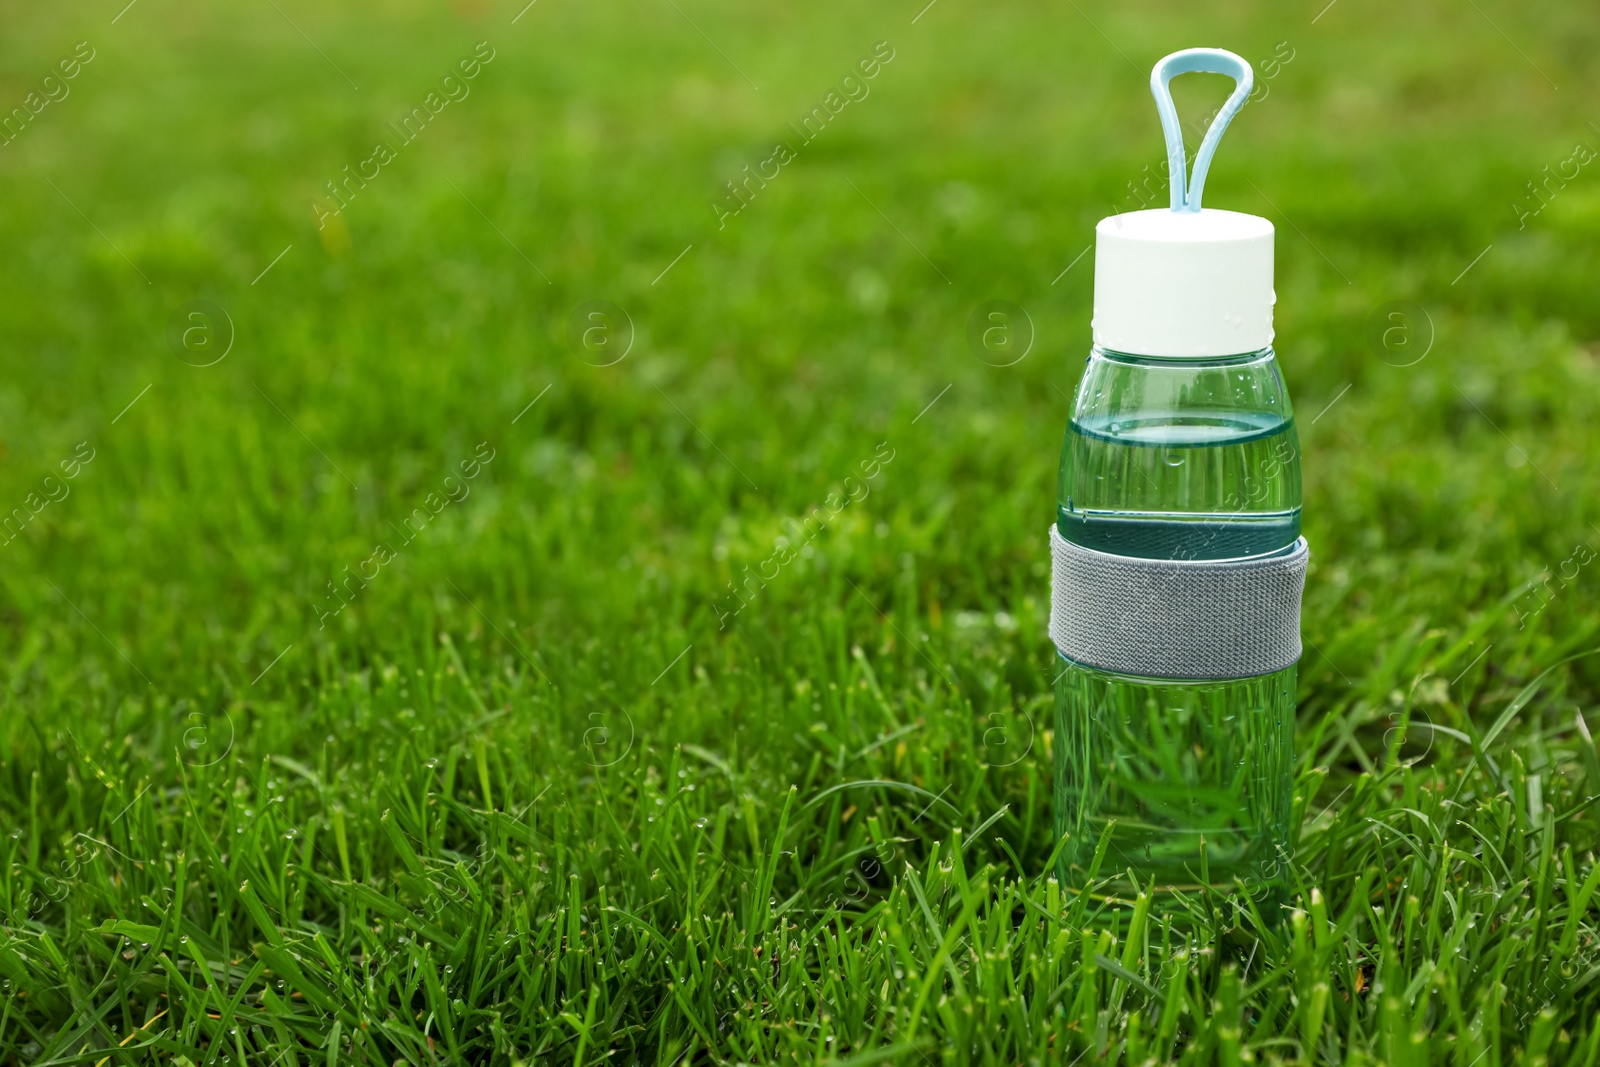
point(1189, 282)
point(1183, 283)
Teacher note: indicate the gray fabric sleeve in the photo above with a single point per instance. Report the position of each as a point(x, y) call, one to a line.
point(1191, 619)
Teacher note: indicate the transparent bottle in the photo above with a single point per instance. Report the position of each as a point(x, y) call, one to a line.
point(1175, 682)
point(1177, 459)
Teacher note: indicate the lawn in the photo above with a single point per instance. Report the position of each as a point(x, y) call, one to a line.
point(415, 649)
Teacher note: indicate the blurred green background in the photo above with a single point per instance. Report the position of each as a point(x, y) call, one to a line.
point(168, 667)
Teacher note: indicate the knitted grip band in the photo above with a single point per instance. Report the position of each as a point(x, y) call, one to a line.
point(1189, 619)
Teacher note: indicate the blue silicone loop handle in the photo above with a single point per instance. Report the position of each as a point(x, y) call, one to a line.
point(1186, 191)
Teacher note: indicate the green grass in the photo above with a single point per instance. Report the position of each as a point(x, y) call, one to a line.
point(522, 798)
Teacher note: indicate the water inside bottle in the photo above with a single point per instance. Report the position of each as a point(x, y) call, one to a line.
point(1123, 477)
point(1188, 782)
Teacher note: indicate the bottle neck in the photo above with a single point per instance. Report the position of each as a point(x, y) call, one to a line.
point(1169, 362)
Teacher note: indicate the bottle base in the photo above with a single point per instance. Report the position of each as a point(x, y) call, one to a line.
point(1175, 786)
